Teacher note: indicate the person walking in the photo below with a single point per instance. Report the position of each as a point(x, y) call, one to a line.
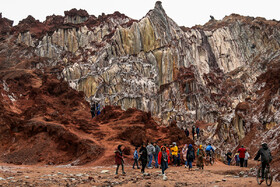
point(168, 152)
point(266, 158)
point(193, 132)
point(187, 132)
point(178, 158)
point(236, 158)
point(200, 155)
point(143, 157)
point(135, 157)
point(184, 153)
point(157, 150)
point(229, 157)
point(119, 159)
point(190, 156)
point(163, 160)
point(174, 150)
point(151, 151)
point(241, 151)
point(247, 156)
point(92, 110)
point(197, 132)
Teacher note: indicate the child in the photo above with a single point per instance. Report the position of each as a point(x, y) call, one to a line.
point(237, 160)
point(135, 157)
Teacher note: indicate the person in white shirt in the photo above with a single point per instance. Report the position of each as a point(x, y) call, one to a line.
point(246, 159)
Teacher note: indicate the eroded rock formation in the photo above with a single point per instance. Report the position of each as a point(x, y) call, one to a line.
point(224, 73)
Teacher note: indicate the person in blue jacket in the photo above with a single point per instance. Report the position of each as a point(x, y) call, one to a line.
point(197, 132)
point(135, 157)
point(98, 109)
point(208, 150)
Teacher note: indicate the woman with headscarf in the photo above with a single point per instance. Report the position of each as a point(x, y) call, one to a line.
point(200, 155)
point(184, 153)
point(190, 156)
point(119, 159)
point(143, 157)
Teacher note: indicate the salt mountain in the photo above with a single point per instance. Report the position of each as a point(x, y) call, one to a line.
point(225, 73)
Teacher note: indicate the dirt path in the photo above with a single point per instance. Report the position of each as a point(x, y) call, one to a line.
point(216, 175)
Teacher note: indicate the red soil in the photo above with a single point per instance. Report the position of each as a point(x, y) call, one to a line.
point(47, 122)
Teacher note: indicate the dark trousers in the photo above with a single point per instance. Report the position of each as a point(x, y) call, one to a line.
point(164, 166)
point(135, 163)
point(118, 168)
point(92, 114)
point(144, 163)
point(246, 163)
point(193, 136)
point(264, 164)
point(229, 160)
point(241, 162)
point(174, 157)
point(190, 164)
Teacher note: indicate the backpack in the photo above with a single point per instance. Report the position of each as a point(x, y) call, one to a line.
point(267, 156)
point(191, 155)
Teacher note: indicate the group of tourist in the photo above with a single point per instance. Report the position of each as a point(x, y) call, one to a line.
point(241, 157)
point(163, 156)
point(95, 109)
point(166, 155)
point(195, 131)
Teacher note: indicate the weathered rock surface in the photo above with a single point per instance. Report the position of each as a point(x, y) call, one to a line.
point(224, 73)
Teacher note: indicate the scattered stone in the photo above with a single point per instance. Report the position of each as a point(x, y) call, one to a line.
point(104, 171)
point(9, 178)
point(224, 180)
point(218, 181)
point(79, 175)
point(27, 177)
point(241, 173)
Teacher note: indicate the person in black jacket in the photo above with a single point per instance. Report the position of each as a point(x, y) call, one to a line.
point(143, 157)
point(92, 110)
point(193, 131)
point(187, 132)
point(266, 157)
point(190, 156)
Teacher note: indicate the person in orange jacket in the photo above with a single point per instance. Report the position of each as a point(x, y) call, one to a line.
point(163, 160)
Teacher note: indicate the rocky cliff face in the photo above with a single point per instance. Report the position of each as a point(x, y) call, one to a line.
point(224, 73)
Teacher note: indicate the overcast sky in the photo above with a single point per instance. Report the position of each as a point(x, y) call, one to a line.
point(184, 12)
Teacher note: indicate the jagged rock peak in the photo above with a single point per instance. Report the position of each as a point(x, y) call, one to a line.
point(29, 20)
point(74, 12)
point(5, 24)
point(76, 16)
point(158, 6)
point(236, 18)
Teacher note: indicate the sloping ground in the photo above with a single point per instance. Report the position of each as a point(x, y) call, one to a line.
point(131, 128)
point(41, 120)
point(47, 122)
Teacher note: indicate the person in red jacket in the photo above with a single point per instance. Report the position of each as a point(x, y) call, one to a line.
point(168, 152)
point(163, 160)
point(242, 152)
point(119, 159)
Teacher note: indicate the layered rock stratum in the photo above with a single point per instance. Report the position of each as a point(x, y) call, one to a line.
point(224, 74)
